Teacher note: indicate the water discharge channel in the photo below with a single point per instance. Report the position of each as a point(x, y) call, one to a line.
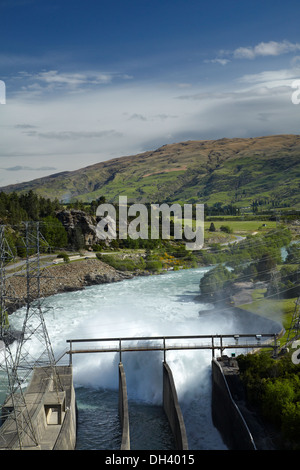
point(143, 306)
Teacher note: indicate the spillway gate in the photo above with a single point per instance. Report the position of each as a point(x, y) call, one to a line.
point(215, 343)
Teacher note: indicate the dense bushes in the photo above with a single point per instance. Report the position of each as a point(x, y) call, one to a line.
point(16, 208)
point(255, 258)
point(250, 249)
point(53, 236)
point(129, 264)
point(213, 284)
point(54, 232)
point(29, 206)
point(273, 386)
point(122, 264)
point(286, 282)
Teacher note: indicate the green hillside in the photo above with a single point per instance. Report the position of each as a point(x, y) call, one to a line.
point(231, 171)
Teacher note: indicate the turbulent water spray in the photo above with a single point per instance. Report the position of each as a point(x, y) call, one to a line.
point(144, 306)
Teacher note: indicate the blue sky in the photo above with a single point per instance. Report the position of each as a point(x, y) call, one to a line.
point(88, 81)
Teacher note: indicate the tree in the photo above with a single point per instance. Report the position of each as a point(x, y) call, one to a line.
point(291, 423)
point(212, 227)
point(265, 266)
point(54, 232)
point(293, 255)
point(214, 282)
point(30, 203)
point(277, 394)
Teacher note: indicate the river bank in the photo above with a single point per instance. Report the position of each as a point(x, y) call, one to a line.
point(76, 275)
point(61, 278)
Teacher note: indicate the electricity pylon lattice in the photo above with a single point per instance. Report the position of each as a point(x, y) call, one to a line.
point(32, 348)
point(294, 330)
point(34, 330)
point(17, 411)
point(6, 255)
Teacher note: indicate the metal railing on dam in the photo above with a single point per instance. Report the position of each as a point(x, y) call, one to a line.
point(173, 343)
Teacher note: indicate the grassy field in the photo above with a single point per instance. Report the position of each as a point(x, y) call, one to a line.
point(243, 226)
point(238, 226)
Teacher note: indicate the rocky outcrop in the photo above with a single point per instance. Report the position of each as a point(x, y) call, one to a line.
point(106, 278)
point(242, 292)
point(80, 227)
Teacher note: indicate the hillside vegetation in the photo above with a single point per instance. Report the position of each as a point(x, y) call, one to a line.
point(272, 387)
point(262, 172)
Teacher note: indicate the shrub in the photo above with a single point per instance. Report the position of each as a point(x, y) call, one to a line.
point(154, 265)
point(274, 387)
point(214, 281)
point(65, 257)
point(226, 229)
point(122, 264)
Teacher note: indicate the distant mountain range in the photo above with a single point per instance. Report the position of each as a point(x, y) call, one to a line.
point(232, 171)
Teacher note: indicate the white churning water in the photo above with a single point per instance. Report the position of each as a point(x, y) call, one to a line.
point(144, 306)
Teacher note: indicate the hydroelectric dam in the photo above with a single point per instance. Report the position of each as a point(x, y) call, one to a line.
point(181, 365)
point(48, 414)
point(227, 416)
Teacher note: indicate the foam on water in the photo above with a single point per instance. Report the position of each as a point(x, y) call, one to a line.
point(143, 306)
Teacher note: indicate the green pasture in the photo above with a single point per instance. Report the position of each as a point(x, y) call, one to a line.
point(243, 226)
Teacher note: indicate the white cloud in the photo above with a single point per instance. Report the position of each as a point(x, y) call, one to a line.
point(28, 168)
point(271, 78)
point(36, 84)
point(218, 61)
point(271, 48)
point(249, 94)
point(296, 60)
point(69, 131)
point(74, 135)
point(263, 49)
point(72, 79)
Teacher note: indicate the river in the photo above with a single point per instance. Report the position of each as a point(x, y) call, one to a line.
point(143, 306)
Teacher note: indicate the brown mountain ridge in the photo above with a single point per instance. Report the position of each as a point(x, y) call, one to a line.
point(231, 171)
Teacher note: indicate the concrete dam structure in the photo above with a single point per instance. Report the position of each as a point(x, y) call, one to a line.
point(50, 403)
point(227, 416)
point(170, 406)
point(44, 415)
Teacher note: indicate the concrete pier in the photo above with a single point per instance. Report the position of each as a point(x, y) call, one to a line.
point(227, 416)
point(123, 409)
point(172, 409)
point(46, 418)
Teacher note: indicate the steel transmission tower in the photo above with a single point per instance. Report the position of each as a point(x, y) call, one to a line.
point(6, 255)
point(18, 410)
point(17, 359)
point(34, 326)
point(294, 330)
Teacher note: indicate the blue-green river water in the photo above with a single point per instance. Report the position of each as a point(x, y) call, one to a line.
point(142, 306)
